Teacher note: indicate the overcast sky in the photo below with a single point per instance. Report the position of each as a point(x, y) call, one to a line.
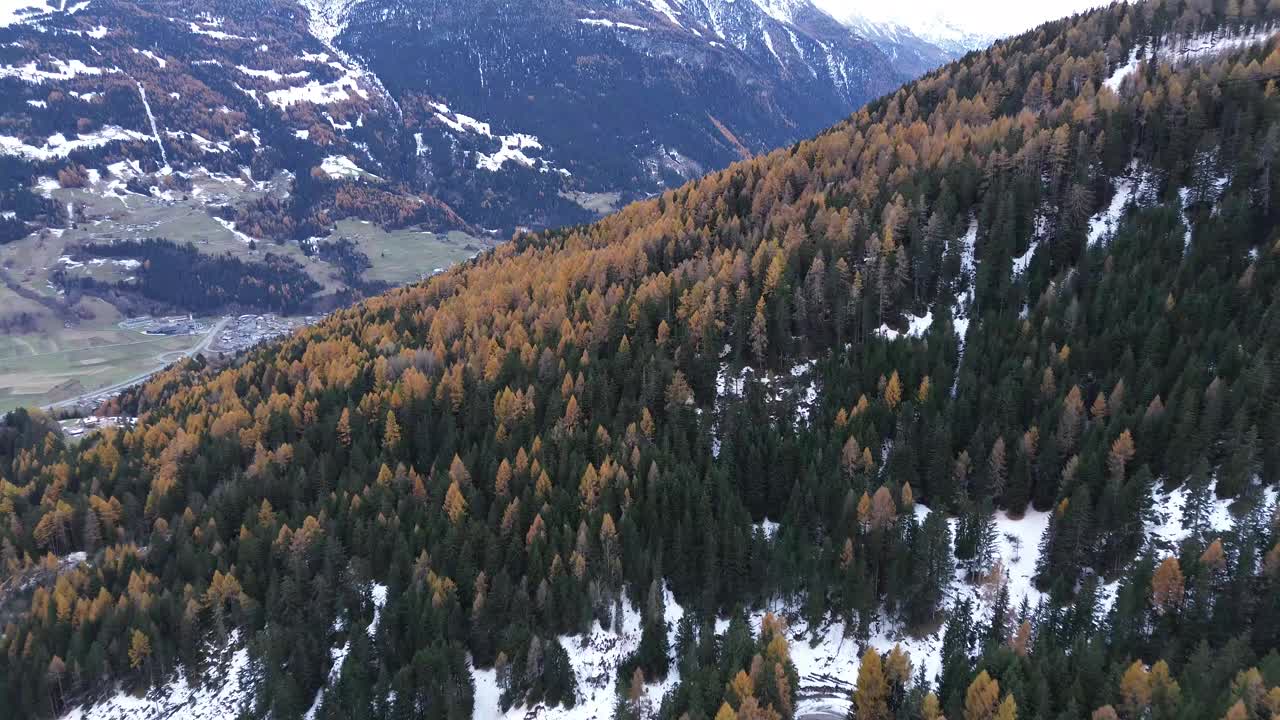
point(986, 17)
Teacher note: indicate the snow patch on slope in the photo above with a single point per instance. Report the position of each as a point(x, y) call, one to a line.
point(341, 166)
point(1198, 47)
point(963, 304)
point(661, 7)
point(327, 18)
point(1103, 225)
point(827, 657)
point(594, 657)
point(600, 22)
point(65, 70)
point(513, 147)
point(339, 655)
point(318, 93)
point(59, 146)
point(917, 326)
point(217, 699)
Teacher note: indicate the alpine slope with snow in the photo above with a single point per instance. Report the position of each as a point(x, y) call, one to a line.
point(965, 406)
point(579, 106)
point(577, 101)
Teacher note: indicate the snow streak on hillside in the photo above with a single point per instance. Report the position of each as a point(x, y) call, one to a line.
point(328, 17)
point(221, 696)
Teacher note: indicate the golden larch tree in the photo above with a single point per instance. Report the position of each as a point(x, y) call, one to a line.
point(871, 694)
point(982, 698)
point(455, 505)
point(1167, 586)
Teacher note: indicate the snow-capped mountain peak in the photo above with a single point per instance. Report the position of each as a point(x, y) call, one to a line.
point(923, 21)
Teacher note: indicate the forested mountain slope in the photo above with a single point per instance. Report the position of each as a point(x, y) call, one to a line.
point(1039, 282)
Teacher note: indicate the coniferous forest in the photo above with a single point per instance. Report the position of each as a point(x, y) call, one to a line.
point(920, 308)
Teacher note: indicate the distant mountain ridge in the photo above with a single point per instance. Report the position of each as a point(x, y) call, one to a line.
point(491, 115)
point(671, 88)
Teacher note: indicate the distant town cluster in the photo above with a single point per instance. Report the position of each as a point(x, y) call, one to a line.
point(76, 428)
point(245, 331)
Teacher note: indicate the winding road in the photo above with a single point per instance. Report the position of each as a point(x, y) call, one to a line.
point(164, 359)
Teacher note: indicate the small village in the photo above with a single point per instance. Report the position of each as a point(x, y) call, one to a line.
point(245, 331)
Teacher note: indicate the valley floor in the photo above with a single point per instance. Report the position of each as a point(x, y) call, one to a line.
point(68, 350)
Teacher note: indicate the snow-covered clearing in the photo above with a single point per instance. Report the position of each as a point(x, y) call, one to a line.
point(21, 11)
point(799, 383)
point(1040, 232)
point(513, 148)
point(221, 697)
point(215, 34)
point(64, 70)
point(341, 166)
point(1023, 261)
point(214, 699)
point(827, 657)
point(318, 93)
point(1171, 530)
point(59, 146)
point(663, 8)
point(1198, 47)
point(460, 123)
point(513, 145)
point(156, 58)
point(595, 657)
point(328, 18)
point(827, 661)
point(231, 228)
point(917, 326)
point(14, 11)
point(200, 141)
point(339, 655)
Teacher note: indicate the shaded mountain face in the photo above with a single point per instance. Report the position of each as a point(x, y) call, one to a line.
point(602, 96)
point(145, 96)
point(444, 114)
